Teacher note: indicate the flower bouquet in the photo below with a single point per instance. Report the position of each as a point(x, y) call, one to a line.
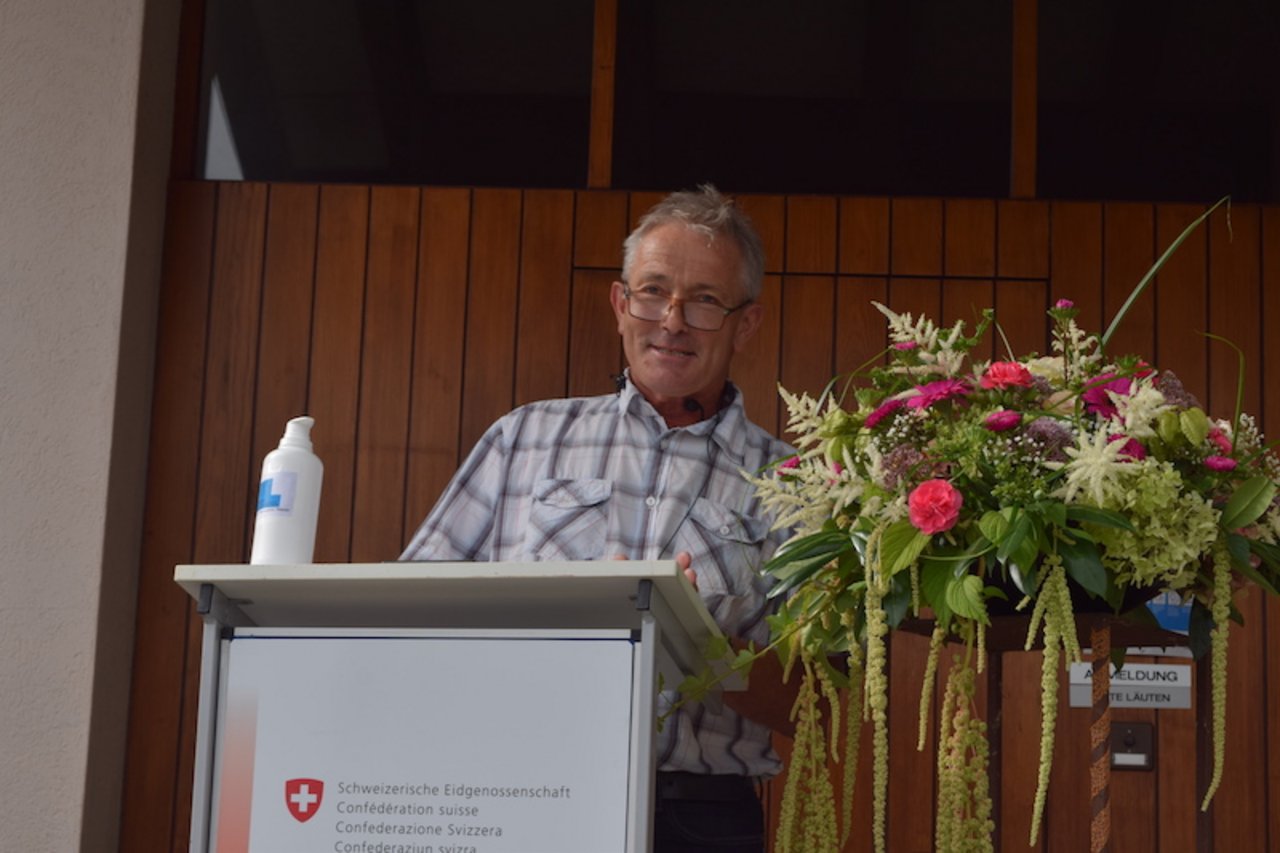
point(934, 483)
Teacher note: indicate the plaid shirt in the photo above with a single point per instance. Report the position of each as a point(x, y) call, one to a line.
point(593, 477)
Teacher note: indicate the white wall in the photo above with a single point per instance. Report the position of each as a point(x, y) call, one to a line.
point(80, 230)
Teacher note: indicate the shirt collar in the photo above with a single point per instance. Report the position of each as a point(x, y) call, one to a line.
point(726, 427)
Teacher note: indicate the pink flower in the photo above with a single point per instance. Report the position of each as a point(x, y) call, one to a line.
point(1002, 420)
point(1219, 463)
point(1219, 439)
point(934, 506)
point(1132, 448)
point(1006, 374)
point(1097, 398)
point(885, 409)
point(1064, 303)
point(936, 392)
point(905, 346)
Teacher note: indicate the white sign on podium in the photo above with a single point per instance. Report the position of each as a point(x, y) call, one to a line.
point(416, 708)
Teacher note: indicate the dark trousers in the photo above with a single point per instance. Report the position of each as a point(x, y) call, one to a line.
point(694, 813)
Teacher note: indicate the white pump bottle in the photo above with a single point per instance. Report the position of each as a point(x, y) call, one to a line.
point(284, 531)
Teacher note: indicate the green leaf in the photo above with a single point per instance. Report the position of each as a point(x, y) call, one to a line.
point(717, 647)
point(1249, 501)
point(1169, 427)
point(1241, 552)
point(1083, 564)
point(900, 546)
point(994, 526)
point(1053, 512)
point(934, 578)
point(1200, 630)
point(1195, 426)
point(898, 601)
point(1094, 515)
point(964, 596)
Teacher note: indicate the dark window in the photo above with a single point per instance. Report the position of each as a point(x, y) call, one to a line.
point(830, 96)
point(1161, 100)
point(486, 92)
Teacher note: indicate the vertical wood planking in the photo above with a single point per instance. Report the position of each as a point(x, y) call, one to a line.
point(916, 237)
point(1025, 99)
point(1182, 301)
point(378, 501)
point(157, 715)
point(546, 279)
point(438, 347)
point(1075, 260)
point(912, 771)
point(756, 368)
point(1269, 377)
point(1021, 312)
point(1128, 252)
point(595, 350)
point(284, 341)
point(970, 238)
point(860, 328)
point(1133, 795)
point(489, 367)
point(341, 254)
point(1235, 312)
point(864, 236)
point(1023, 239)
point(768, 213)
point(225, 487)
point(1067, 811)
point(808, 306)
point(965, 299)
point(1020, 752)
point(600, 226)
point(811, 235)
point(603, 59)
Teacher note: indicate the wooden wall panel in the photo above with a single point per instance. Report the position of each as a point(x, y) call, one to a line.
point(435, 421)
point(489, 366)
point(756, 369)
point(337, 323)
point(406, 320)
point(377, 528)
point(542, 329)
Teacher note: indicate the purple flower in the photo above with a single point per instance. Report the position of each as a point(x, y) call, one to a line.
point(936, 392)
point(1064, 303)
point(1219, 463)
point(1097, 398)
point(1052, 437)
point(1132, 448)
point(1004, 419)
point(905, 346)
point(885, 409)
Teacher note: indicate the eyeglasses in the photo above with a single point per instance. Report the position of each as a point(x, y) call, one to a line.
point(652, 303)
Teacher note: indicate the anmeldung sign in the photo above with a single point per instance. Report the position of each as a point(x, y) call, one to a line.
point(1136, 685)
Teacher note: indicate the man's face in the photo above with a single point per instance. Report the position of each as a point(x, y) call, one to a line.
point(669, 360)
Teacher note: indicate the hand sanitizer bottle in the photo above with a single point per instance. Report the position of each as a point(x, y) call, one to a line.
point(284, 532)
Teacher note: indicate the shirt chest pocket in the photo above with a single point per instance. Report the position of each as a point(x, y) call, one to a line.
point(568, 519)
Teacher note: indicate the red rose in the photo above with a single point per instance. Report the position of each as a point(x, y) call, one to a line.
point(934, 506)
point(1006, 374)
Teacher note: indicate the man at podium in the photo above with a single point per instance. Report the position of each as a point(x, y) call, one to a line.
point(652, 472)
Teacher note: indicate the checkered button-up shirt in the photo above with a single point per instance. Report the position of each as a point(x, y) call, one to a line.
point(590, 478)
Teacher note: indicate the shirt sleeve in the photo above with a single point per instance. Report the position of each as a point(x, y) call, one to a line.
point(460, 526)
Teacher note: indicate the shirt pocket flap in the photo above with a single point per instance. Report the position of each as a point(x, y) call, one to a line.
point(727, 524)
point(568, 494)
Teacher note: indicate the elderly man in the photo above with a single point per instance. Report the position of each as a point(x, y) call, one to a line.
point(652, 472)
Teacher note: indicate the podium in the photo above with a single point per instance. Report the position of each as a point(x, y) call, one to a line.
point(486, 707)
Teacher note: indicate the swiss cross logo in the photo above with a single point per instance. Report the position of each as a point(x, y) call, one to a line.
point(302, 797)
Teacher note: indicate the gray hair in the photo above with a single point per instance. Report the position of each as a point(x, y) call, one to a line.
point(707, 212)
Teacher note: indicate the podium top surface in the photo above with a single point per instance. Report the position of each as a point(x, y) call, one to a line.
point(596, 594)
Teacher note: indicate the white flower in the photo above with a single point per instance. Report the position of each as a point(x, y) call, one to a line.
point(1095, 467)
point(1140, 408)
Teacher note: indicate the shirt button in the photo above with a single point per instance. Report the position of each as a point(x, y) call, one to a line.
point(651, 501)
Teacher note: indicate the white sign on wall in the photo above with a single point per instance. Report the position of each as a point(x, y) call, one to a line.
point(424, 745)
point(1136, 685)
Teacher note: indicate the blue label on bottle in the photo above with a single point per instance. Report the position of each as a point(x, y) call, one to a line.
point(276, 493)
